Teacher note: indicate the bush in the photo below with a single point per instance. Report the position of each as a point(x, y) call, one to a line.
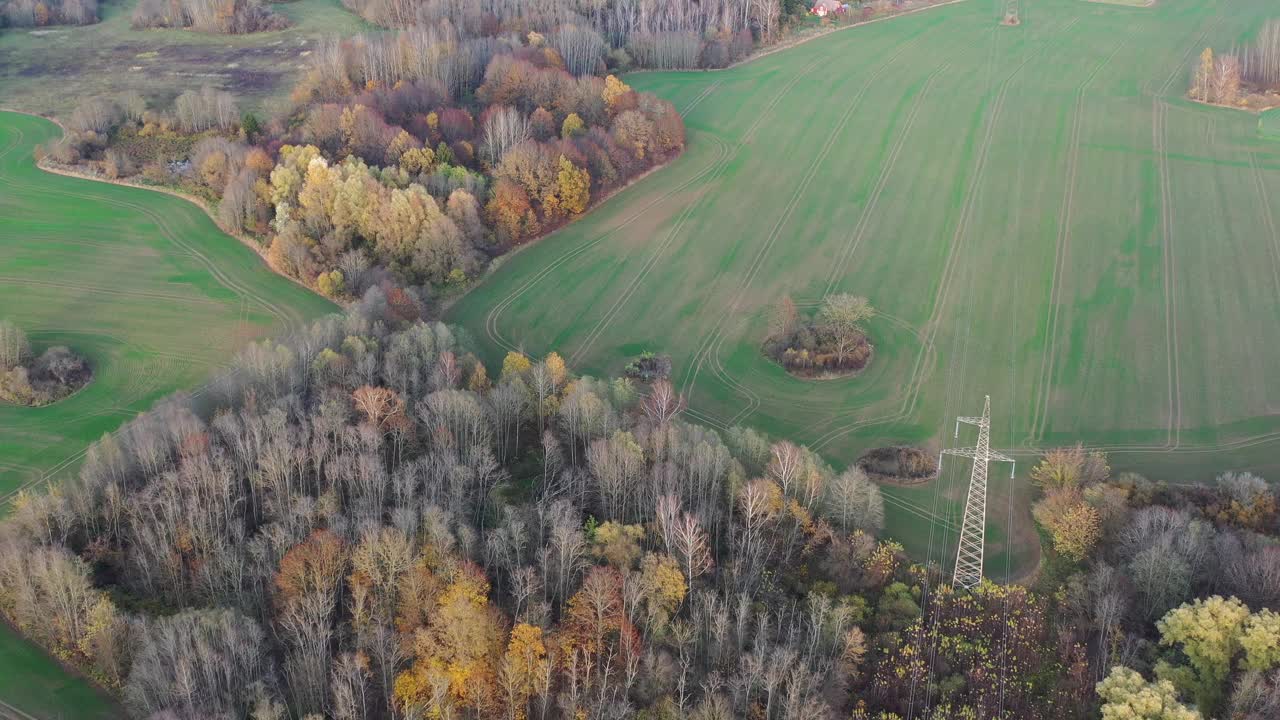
point(649, 367)
point(54, 375)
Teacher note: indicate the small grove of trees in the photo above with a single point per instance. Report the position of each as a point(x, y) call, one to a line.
point(42, 13)
point(1064, 475)
point(832, 341)
point(28, 380)
point(1217, 80)
point(215, 16)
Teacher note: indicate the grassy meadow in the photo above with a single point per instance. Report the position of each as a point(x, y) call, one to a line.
point(48, 71)
point(145, 286)
point(1035, 210)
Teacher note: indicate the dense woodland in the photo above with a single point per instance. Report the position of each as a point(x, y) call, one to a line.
point(363, 521)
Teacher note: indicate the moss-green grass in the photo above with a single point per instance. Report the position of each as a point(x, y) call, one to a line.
point(1040, 216)
point(148, 288)
point(1269, 124)
point(47, 71)
point(36, 684)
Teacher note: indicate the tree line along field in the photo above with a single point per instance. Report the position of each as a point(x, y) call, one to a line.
point(141, 283)
point(1036, 211)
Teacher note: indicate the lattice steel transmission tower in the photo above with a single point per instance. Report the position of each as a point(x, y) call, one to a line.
point(968, 571)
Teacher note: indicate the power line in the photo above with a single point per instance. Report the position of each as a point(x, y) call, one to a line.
point(969, 551)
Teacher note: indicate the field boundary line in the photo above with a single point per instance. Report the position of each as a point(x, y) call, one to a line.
point(855, 238)
point(1269, 217)
point(607, 319)
point(1065, 216)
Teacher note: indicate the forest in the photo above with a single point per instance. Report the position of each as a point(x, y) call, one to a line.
point(360, 521)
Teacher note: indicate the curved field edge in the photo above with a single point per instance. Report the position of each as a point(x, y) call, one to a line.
point(152, 292)
point(1039, 214)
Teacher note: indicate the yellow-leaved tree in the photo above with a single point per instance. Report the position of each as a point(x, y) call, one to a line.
point(1126, 695)
point(574, 184)
point(456, 653)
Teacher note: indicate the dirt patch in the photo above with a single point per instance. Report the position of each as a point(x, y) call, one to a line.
point(900, 464)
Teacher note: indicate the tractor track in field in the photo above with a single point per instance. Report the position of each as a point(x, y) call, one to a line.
point(1268, 216)
point(1065, 215)
point(492, 331)
point(607, 319)
point(928, 351)
point(9, 711)
point(1159, 134)
point(1160, 145)
point(695, 102)
point(97, 244)
point(290, 320)
point(15, 280)
point(716, 335)
point(854, 239)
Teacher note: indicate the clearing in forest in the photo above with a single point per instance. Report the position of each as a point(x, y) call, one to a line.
point(1038, 215)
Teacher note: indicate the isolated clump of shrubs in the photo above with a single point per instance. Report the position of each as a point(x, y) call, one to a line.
point(649, 367)
point(901, 462)
point(39, 380)
point(830, 343)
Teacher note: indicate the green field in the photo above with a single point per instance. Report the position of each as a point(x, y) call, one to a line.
point(1269, 124)
point(1036, 211)
point(148, 288)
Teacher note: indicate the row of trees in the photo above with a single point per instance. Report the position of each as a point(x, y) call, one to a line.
point(215, 16)
point(653, 33)
point(41, 13)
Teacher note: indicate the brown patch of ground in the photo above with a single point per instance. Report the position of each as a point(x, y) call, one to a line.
point(900, 464)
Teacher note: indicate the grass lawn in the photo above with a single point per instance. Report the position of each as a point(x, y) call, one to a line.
point(146, 287)
point(1038, 214)
point(1269, 124)
point(32, 682)
point(48, 71)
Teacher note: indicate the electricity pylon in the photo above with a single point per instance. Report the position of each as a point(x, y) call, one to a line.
point(968, 571)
